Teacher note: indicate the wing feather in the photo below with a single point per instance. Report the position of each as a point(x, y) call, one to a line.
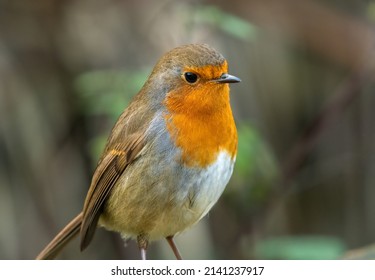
point(109, 170)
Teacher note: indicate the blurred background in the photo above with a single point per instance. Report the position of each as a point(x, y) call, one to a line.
point(303, 185)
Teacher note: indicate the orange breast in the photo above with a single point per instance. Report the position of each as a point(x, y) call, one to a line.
point(200, 122)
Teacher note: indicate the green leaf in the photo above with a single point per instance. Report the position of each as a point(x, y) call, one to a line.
point(108, 92)
point(300, 248)
point(371, 11)
point(228, 23)
point(256, 169)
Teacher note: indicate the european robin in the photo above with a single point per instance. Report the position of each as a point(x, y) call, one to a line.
point(168, 157)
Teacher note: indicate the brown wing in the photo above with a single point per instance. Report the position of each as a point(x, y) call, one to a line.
point(110, 168)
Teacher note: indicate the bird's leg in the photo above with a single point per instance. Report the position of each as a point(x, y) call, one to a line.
point(174, 247)
point(142, 244)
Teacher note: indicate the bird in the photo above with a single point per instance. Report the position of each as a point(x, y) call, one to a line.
point(168, 158)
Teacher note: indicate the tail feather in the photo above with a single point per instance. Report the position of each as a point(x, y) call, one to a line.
point(63, 238)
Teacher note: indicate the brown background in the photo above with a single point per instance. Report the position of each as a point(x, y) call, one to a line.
point(305, 112)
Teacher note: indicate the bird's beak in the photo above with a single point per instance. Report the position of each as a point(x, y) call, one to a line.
point(226, 78)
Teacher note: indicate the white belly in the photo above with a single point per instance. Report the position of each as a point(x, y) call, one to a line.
point(199, 191)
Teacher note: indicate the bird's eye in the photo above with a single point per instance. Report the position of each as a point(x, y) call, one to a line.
point(190, 77)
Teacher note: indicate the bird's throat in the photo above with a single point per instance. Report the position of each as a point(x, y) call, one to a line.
point(201, 126)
